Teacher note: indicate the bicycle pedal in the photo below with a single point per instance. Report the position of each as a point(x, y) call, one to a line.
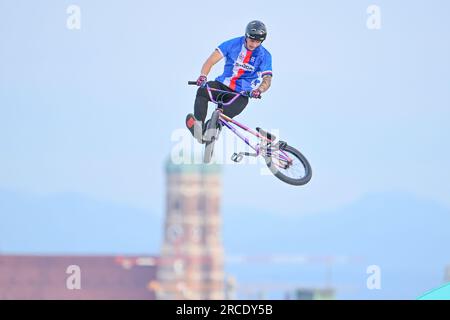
point(237, 157)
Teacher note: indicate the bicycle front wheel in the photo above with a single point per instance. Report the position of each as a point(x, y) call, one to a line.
point(289, 165)
point(210, 136)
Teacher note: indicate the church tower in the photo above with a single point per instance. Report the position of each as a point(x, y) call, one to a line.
point(191, 259)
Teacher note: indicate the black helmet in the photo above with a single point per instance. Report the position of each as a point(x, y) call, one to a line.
point(256, 30)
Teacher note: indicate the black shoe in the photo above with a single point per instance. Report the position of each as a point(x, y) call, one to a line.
point(195, 127)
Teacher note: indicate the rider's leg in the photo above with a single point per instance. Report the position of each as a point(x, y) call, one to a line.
point(202, 99)
point(195, 122)
point(201, 104)
point(236, 107)
point(201, 107)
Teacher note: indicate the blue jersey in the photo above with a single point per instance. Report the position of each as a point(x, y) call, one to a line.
point(244, 68)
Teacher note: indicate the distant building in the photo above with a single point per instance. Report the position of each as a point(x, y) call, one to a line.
point(101, 277)
point(192, 255)
point(312, 294)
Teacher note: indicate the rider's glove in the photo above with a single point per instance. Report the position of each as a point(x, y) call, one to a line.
point(256, 94)
point(201, 80)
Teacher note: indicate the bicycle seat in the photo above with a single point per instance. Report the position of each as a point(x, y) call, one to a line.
point(266, 134)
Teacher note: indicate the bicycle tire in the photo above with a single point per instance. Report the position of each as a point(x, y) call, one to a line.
point(210, 136)
point(292, 181)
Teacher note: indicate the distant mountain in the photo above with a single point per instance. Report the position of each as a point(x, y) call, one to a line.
point(406, 236)
point(72, 223)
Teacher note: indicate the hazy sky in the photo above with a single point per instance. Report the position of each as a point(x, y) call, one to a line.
point(92, 111)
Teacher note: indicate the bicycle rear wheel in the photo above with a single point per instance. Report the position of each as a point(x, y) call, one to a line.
point(289, 165)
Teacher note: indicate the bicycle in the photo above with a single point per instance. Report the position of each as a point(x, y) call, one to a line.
point(280, 157)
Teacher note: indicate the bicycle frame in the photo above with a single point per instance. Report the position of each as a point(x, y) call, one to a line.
point(227, 122)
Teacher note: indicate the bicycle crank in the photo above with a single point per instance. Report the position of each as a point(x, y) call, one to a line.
point(237, 157)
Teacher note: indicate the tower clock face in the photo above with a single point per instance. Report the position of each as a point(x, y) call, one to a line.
point(175, 232)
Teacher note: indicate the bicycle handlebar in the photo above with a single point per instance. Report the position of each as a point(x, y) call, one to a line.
point(245, 93)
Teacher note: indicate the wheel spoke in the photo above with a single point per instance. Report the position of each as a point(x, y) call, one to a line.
point(295, 170)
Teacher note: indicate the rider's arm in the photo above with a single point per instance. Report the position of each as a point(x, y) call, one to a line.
point(266, 71)
point(265, 85)
point(215, 57)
